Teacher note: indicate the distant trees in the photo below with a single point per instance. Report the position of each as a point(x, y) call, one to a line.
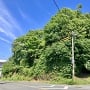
point(46, 53)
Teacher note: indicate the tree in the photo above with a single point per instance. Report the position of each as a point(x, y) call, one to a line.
point(28, 48)
point(48, 51)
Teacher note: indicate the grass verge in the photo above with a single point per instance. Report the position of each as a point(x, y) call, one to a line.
point(57, 80)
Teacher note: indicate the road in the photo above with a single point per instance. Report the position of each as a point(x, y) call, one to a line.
point(39, 86)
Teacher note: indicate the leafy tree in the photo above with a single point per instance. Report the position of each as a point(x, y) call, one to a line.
point(28, 48)
point(48, 51)
point(60, 27)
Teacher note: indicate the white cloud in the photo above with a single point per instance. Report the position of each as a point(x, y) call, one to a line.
point(1, 30)
point(24, 16)
point(30, 20)
point(5, 40)
point(7, 34)
point(8, 24)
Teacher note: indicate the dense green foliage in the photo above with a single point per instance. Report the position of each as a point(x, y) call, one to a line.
point(46, 54)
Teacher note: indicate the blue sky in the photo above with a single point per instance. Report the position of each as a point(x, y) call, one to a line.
point(17, 17)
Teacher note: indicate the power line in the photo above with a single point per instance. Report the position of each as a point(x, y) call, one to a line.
point(56, 4)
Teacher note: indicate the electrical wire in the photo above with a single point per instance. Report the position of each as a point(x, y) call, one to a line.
point(56, 4)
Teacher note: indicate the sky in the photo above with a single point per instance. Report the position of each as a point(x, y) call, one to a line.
point(17, 17)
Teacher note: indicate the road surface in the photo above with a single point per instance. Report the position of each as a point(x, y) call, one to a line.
point(39, 86)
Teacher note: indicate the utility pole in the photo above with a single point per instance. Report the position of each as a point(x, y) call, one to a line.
point(73, 61)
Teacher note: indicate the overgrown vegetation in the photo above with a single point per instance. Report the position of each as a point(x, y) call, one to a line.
point(46, 54)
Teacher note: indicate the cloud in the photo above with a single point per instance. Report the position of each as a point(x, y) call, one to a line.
point(7, 34)
point(24, 16)
point(5, 40)
point(29, 19)
point(8, 24)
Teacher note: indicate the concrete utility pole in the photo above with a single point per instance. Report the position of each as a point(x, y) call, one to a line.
point(73, 61)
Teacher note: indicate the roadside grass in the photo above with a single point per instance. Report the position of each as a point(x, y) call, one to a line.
point(16, 77)
point(57, 80)
point(76, 81)
point(82, 81)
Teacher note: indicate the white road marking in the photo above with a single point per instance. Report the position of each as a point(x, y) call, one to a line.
point(47, 87)
point(50, 86)
point(65, 88)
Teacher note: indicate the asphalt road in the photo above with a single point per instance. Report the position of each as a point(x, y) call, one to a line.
point(39, 86)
